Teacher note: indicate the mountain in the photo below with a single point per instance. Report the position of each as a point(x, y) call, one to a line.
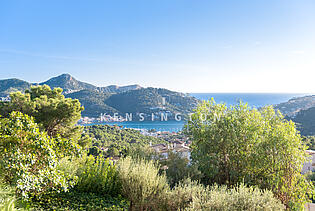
point(67, 83)
point(150, 99)
point(144, 100)
point(294, 105)
point(12, 85)
point(305, 120)
point(112, 99)
point(300, 110)
point(93, 102)
point(118, 89)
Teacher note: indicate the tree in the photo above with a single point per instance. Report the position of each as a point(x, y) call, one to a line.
point(179, 169)
point(28, 156)
point(51, 110)
point(236, 144)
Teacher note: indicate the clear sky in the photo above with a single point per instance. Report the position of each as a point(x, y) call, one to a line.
point(183, 45)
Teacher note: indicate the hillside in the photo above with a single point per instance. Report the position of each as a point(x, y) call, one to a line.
point(12, 85)
point(294, 105)
point(305, 120)
point(117, 140)
point(67, 83)
point(111, 99)
point(301, 110)
point(93, 102)
point(152, 100)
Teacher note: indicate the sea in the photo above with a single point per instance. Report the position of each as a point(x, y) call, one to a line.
point(253, 99)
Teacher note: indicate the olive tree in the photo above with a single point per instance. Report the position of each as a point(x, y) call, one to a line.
point(259, 147)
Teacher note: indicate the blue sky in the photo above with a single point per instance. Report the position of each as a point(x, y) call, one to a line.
point(188, 46)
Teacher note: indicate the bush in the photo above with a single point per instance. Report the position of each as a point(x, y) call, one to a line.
point(189, 195)
point(181, 195)
point(239, 198)
point(141, 183)
point(7, 205)
point(98, 175)
point(28, 157)
point(235, 144)
point(179, 169)
point(7, 197)
point(73, 201)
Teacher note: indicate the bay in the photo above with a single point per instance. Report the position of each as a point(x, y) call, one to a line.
point(253, 99)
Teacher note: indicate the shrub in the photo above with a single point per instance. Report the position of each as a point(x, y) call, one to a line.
point(7, 197)
point(182, 195)
point(73, 201)
point(7, 205)
point(189, 195)
point(259, 147)
point(141, 183)
point(178, 169)
point(28, 158)
point(98, 175)
point(239, 198)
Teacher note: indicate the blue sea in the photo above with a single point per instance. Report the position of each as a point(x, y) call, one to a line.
point(253, 100)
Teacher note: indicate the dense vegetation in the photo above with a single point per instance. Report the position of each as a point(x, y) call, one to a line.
point(94, 102)
point(148, 190)
point(148, 100)
point(294, 105)
point(116, 141)
point(310, 142)
point(301, 110)
point(305, 120)
point(238, 144)
point(12, 85)
point(242, 159)
point(110, 99)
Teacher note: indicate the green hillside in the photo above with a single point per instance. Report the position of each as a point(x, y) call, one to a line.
point(93, 102)
point(306, 121)
point(111, 99)
point(12, 85)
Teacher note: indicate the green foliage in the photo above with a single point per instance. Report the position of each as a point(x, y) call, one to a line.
point(142, 100)
point(305, 120)
point(8, 205)
point(28, 157)
point(12, 85)
point(182, 195)
point(110, 99)
point(189, 195)
point(236, 144)
point(115, 141)
point(7, 197)
point(310, 176)
point(309, 141)
point(73, 201)
point(141, 183)
point(296, 104)
point(98, 175)
point(238, 198)
point(93, 102)
point(179, 169)
point(143, 152)
point(50, 109)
